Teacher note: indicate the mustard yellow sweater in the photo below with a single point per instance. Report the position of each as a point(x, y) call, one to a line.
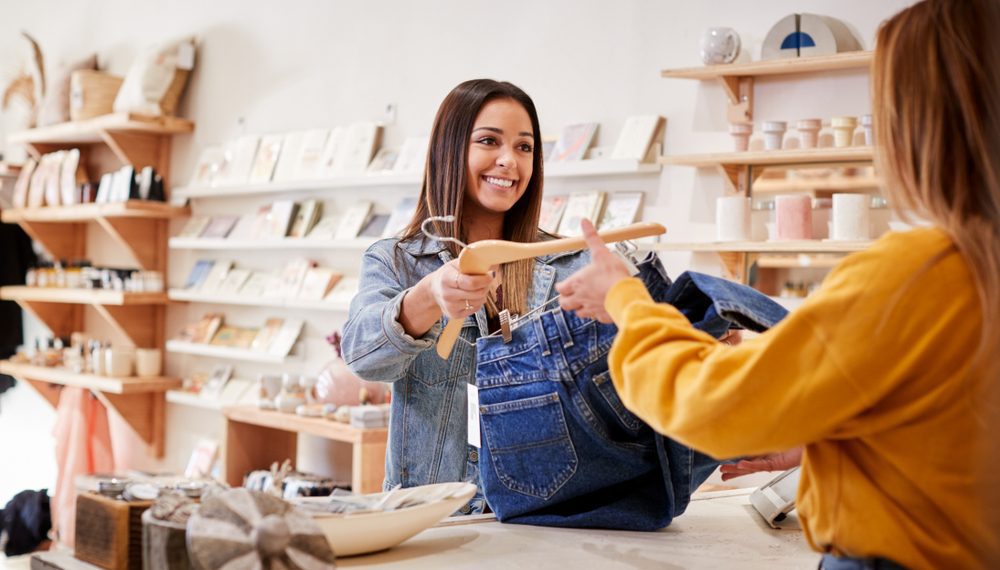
point(872, 374)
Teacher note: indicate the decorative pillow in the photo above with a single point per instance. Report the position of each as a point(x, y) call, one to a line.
point(55, 105)
point(150, 76)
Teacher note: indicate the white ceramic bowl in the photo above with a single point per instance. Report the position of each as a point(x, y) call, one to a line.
point(362, 533)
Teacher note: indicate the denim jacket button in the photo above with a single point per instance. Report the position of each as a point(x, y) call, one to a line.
point(473, 456)
point(465, 509)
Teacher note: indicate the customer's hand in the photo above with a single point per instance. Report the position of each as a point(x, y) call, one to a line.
point(458, 294)
point(770, 462)
point(585, 290)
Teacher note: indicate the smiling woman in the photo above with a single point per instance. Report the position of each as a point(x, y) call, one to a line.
point(485, 169)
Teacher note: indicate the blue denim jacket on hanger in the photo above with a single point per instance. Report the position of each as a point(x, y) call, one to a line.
point(428, 415)
point(560, 448)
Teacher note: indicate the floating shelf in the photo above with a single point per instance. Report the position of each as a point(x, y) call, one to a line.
point(796, 246)
point(340, 183)
point(225, 352)
point(860, 184)
point(276, 244)
point(230, 299)
point(89, 131)
point(599, 167)
point(80, 296)
point(848, 60)
point(92, 212)
point(107, 384)
point(802, 260)
point(851, 154)
point(321, 427)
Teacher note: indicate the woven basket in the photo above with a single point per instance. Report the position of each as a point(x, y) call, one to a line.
point(92, 93)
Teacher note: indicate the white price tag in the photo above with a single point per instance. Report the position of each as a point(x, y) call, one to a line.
point(474, 415)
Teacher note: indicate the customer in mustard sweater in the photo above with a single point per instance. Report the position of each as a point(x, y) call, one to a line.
point(887, 376)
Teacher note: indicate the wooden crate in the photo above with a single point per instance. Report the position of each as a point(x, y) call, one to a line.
point(109, 531)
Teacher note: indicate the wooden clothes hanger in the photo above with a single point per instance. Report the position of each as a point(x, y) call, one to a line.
point(478, 257)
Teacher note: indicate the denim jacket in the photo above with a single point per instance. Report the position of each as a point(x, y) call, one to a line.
point(428, 418)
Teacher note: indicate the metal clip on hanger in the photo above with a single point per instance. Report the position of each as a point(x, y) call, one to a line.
point(477, 258)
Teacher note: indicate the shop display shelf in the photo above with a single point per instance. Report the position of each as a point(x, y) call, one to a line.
point(373, 180)
point(106, 384)
point(806, 156)
point(847, 60)
point(270, 244)
point(80, 296)
point(93, 212)
point(224, 299)
point(790, 246)
point(225, 352)
point(92, 130)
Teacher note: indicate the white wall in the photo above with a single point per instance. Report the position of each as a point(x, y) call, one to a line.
point(265, 66)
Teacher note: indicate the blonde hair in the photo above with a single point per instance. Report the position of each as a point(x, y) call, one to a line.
point(936, 115)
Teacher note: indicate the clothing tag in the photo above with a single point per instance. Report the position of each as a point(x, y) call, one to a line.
point(474, 415)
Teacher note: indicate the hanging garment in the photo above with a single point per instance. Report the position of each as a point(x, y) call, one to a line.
point(558, 446)
point(83, 446)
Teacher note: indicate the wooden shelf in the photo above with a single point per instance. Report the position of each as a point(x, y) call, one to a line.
point(858, 184)
point(225, 352)
point(599, 167)
point(802, 260)
point(388, 179)
point(139, 401)
point(796, 246)
point(229, 299)
point(90, 130)
point(851, 154)
point(107, 384)
point(789, 66)
point(80, 296)
point(255, 438)
point(271, 244)
point(92, 212)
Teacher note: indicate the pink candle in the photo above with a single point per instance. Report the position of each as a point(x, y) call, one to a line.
point(793, 216)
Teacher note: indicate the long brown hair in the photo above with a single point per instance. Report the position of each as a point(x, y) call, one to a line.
point(936, 114)
point(443, 191)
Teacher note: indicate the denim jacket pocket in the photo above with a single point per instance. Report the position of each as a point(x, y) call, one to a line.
point(529, 444)
point(606, 388)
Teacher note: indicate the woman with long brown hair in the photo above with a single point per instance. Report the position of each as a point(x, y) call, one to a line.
point(484, 167)
point(887, 376)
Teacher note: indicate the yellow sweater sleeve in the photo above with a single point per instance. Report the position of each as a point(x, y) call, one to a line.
point(725, 400)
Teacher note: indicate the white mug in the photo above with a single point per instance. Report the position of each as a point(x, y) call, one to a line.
point(118, 362)
point(148, 362)
point(732, 218)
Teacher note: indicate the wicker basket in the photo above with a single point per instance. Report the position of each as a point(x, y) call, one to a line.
point(92, 93)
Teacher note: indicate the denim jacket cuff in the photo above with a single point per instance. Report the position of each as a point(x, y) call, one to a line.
point(398, 336)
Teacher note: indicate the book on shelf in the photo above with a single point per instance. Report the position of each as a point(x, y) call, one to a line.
point(412, 155)
point(20, 197)
point(384, 160)
point(552, 212)
point(240, 155)
point(216, 381)
point(345, 290)
point(284, 339)
point(621, 209)
point(244, 228)
point(266, 159)
point(324, 229)
point(123, 184)
point(216, 275)
point(198, 273)
point(579, 206)
point(279, 219)
point(573, 142)
point(305, 218)
point(356, 150)
point(194, 226)
point(637, 137)
point(375, 226)
point(328, 160)
point(234, 281)
point(266, 334)
point(52, 180)
point(210, 160)
point(219, 227)
point(292, 276)
point(256, 226)
point(353, 220)
point(233, 337)
point(259, 284)
point(317, 283)
point(309, 162)
point(288, 162)
point(202, 330)
point(71, 175)
point(400, 217)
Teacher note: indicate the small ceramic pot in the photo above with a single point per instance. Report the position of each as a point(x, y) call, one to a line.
point(843, 131)
point(866, 124)
point(741, 135)
point(774, 134)
point(809, 132)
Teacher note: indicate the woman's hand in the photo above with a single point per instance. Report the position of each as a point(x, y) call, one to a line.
point(770, 462)
point(457, 294)
point(585, 290)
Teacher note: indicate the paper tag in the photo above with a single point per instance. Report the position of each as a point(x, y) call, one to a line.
point(185, 55)
point(474, 415)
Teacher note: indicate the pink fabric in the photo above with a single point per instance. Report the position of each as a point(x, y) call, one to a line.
point(83, 446)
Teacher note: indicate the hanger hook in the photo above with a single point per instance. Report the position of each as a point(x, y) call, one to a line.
point(427, 232)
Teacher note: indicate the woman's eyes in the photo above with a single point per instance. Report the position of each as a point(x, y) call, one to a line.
point(492, 141)
point(525, 147)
